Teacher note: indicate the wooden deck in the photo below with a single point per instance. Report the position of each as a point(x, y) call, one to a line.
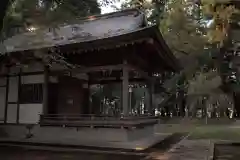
point(226, 151)
point(97, 121)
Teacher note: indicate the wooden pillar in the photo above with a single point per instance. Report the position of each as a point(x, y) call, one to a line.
point(86, 108)
point(183, 103)
point(89, 104)
point(125, 83)
point(151, 97)
point(45, 90)
point(6, 97)
point(88, 100)
point(19, 92)
point(236, 98)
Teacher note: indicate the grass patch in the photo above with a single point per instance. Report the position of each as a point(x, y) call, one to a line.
point(173, 128)
point(216, 132)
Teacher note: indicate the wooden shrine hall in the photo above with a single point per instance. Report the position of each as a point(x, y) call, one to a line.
point(115, 48)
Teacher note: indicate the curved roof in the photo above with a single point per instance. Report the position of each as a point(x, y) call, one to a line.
point(84, 30)
point(94, 33)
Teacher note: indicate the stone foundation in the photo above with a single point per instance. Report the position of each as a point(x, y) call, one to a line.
point(81, 134)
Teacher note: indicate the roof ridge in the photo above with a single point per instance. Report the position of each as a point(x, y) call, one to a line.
point(100, 16)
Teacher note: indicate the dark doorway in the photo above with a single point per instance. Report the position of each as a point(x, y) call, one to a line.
point(70, 96)
point(52, 98)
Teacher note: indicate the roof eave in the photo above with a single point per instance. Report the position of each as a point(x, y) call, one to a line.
point(174, 64)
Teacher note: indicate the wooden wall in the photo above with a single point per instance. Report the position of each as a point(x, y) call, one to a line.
point(12, 110)
point(70, 96)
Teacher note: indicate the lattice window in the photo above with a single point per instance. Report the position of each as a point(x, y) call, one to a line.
point(31, 93)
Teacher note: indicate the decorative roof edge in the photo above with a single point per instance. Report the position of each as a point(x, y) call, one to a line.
point(103, 16)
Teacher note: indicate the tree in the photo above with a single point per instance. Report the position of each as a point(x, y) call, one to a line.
point(194, 31)
point(152, 8)
point(221, 16)
point(185, 27)
point(215, 35)
point(40, 13)
point(3, 7)
point(23, 14)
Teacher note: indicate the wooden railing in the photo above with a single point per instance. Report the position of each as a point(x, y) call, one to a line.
point(101, 121)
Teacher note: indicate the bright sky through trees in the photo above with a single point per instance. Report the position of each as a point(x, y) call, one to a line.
point(112, 7)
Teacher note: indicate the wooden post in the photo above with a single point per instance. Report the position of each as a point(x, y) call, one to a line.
point(45, 90)
point(19, 92)
point(89, 104)
point(125, 83)
point(6, 99)
point(87, 107)
point(151, 89)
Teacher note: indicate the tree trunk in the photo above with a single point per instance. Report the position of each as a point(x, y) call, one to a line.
point(3, 8)
point(183, 105)
point(236, 98)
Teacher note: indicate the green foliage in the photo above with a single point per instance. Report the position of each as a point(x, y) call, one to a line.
point(184, 27)
point(41, 13)
point(184, 33)
point(221, 15)
point(181, 29)
point(152, 8)
point(217, 132)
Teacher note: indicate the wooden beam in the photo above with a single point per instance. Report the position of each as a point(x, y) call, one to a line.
point(136, 59)
point(23, 74)
point(130, 67)
point(98, 68)
point(118, 67)
point(135, 68)
point(106, 79)
point(112, 80)
point(88, 69)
